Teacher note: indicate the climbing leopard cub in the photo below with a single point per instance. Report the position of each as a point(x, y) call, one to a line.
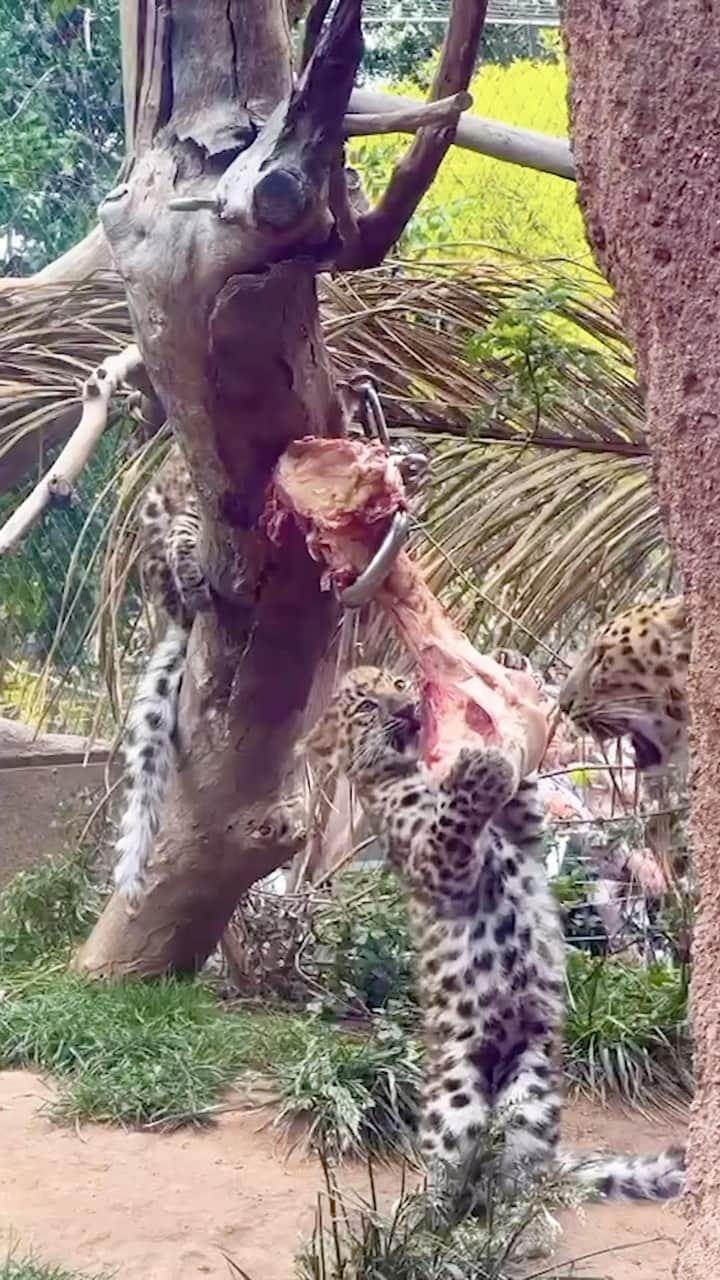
point(174, 579)
point(488, 939)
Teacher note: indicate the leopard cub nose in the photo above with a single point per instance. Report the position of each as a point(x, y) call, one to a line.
point(409, 714)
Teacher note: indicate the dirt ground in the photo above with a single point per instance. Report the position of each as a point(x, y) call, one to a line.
point(171, 1206)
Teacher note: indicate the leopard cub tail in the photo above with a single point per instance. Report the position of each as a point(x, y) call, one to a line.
point(613, 1177)
point(149, 754)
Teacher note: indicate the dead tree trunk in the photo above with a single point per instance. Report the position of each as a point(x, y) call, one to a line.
point(646, 129)
point(235, 201)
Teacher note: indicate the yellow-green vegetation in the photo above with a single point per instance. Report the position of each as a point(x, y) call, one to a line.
point(15, 1267)
point(482, 201)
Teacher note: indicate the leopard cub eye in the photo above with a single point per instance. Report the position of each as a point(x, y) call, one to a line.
point(400, 684)
point(367, 705)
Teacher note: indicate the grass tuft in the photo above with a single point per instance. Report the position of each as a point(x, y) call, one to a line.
point(356, 1094)
point(28, 1268)
point(47, 909)
point(434, 1236)
point(627, 1029)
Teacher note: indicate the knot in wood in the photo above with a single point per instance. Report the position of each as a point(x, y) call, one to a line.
point(280, 198)
point(61, 492)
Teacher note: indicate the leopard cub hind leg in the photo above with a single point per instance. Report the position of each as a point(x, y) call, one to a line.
point(492, 994)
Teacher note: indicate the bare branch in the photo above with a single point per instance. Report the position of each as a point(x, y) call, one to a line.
point(313, 27)
point(506, 142)
point(341, 206)
point(98, 391)
point(407, 119)
point(382, 227)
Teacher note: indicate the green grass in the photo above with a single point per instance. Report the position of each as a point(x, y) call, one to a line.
point(627, 1029)
point(138, 1053)
point(165, 1053)
point(28, 1268)
point(478, 200)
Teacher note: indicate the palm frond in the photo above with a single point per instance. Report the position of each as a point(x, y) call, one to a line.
point(539, 513)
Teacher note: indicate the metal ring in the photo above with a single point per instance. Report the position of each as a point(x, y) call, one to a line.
point(368, 583)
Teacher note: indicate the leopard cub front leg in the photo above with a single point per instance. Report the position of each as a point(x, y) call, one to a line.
point(480, 783)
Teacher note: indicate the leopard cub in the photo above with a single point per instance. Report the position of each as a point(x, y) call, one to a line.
point(488, 939)
point(170, 566)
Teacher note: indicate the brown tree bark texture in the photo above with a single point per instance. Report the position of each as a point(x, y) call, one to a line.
point(234, 201)
point(226, 316)
point(646, 133)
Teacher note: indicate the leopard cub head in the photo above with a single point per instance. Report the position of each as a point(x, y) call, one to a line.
point(371, 723)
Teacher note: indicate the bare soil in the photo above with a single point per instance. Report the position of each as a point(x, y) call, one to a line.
point(152, 1206)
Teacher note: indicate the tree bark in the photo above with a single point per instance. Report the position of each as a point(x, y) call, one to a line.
point(225, 312)
point(235, 200)
point(646, 140)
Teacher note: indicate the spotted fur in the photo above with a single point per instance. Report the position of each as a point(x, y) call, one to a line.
point(174, 578)
point(488, 937)
point(632, 679)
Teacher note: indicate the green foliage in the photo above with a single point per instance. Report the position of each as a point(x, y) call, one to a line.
point(399, 48)
point(476, 200)
point(57, 575)
point(528, 348)
point(435, 1235)
point(396, 50)
point(627, 1027)
point(47, 909)
point(62, 125)
point(363, 942)
point(357, 1094)
point(29, 1268)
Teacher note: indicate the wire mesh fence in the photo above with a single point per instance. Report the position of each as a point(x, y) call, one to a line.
point(50, 595)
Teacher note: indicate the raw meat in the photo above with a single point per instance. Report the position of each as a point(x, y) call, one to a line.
point(343, 495)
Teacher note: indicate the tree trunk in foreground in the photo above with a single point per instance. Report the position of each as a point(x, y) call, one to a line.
point(646, 127)
point(235, 200)
point(233, 347)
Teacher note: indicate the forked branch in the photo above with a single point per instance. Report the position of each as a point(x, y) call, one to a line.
point(407, 119)
point(382, 227)
point(279, 184)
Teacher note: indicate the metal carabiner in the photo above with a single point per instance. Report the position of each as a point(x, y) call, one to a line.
point(372, 416)
point(368, 583)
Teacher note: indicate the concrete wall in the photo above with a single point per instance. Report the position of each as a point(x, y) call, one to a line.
point(44, 788)
point(36, 805)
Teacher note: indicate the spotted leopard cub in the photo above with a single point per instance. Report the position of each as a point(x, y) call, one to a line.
point(488, 938)
point(174, 579)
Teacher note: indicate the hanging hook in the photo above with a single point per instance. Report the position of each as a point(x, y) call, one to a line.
point(368, 583)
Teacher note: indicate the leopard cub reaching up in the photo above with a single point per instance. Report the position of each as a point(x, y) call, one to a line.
point(488, 940)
